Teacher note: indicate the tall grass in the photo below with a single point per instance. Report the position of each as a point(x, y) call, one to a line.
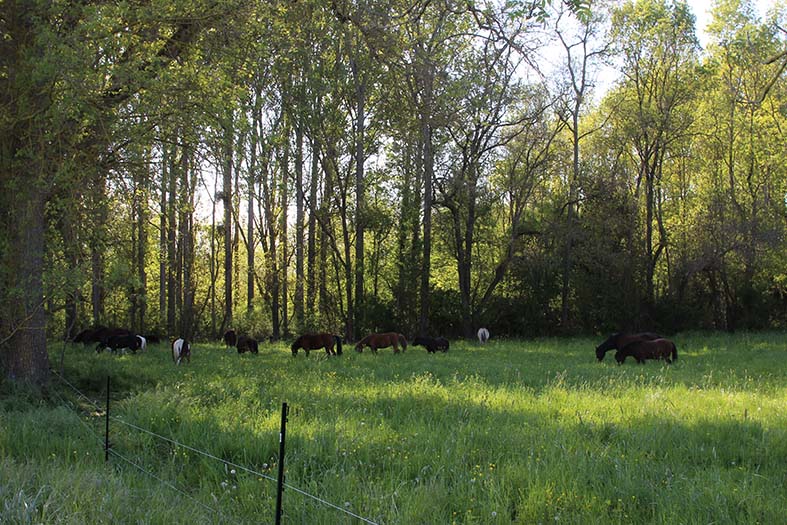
point(512, 432)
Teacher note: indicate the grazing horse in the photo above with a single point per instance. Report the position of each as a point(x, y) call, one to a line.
point(432, 344)
point(143, 343)
point(181, 349)
point(642, 350)
point(314, 341)
point(483, 335)
point(230, 338)
point(246, 344)
point(88, 335)
point(116, 342)
point(620, 339)
point(375, 341)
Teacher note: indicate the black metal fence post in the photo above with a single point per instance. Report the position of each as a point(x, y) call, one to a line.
point(280, 481)
point(106, 432)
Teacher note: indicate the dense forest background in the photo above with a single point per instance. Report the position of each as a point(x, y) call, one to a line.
point(426, 166)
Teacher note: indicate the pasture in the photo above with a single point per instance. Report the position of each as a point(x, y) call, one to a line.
point(533, 431)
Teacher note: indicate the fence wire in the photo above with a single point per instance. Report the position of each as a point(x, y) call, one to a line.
point(203, 453)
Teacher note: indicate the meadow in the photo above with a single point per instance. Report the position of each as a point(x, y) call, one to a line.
point(530, 431)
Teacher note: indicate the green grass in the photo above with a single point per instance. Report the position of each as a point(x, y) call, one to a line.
point(513, 432)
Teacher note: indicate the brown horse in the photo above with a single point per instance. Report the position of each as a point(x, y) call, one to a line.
point(619, 340)
point(315, 341)
point(642, 350)
point(375, 341)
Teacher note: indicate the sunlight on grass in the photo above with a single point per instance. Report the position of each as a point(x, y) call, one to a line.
point(513, 431)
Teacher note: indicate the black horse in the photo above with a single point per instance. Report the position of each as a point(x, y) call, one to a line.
point(314, 341)
point(230, 338)
point(117, 342)
point(619, 340)
point(246, 344)
point(432, 344)
point(644, 349)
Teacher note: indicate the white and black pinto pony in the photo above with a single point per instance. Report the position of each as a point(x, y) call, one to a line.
point(181, 349)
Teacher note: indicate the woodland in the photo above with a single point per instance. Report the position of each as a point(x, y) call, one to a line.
point(427, 166)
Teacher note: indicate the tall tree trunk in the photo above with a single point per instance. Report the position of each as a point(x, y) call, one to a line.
point(162, 245)
point(311, 256)
point(187, 242)
point(143, 215)
point(172, 262)
point(360, 200)
point(97, 246)
point(284, 203)
point(428, 176)
point(213, 265)
point(227, 197)
point(299, 217)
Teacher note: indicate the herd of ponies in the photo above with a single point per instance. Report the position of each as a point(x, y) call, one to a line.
point(641, 346)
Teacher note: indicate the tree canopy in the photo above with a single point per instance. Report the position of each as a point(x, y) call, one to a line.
point(427, 167)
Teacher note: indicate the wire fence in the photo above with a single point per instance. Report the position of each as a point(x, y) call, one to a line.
point(101, 441)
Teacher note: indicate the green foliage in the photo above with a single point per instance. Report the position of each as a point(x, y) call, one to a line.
point(513, 431)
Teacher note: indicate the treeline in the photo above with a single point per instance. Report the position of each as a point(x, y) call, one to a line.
point(424, 166)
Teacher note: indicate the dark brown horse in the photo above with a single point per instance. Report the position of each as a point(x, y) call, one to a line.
point(642, 350)
point(246, 344)
point(621, 339)
point(375, 341)
point(230, 338)
point(314, 341)
point(432, 344)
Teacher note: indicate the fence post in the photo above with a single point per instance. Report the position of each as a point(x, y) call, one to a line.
point(280, 481)
point(106, 432)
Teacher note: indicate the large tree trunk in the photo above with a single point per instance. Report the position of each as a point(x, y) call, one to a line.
point(311, 255)
point(428, 163)
point(299, 217)
point(23, 354)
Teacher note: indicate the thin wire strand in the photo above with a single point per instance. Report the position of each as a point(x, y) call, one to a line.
point(226, 462)
point(168, 484)
point(75, 389)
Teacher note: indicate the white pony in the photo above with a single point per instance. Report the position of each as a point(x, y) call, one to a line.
point(483, 335)
point(180, 350)
point(143, 343)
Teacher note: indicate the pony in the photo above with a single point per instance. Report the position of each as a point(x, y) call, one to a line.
point(432, 344)
point(648, 349)
point(230, 338)
point(246, 344)
point(143, 343)
point(620, 339)
point(375, 341)
point(181, 349)
point(314, 341)
point(117, 342)
point(88, 335)
point(483, 335)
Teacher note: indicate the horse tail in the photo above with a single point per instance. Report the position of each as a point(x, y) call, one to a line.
point(674, 352)
point(338, 341)
point(402, 341)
